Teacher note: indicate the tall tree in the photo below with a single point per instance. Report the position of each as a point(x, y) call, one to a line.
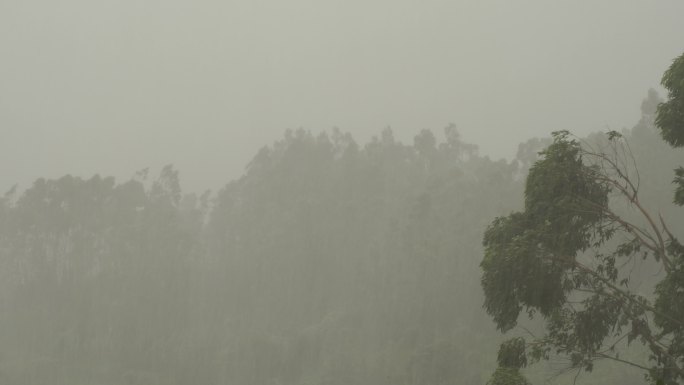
point(670, 117)
point(670, 114)
point(567, 257)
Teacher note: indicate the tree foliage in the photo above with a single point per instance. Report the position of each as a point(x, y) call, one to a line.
point(670, 117)
point(670, 114)
point(511, 359)
point(527, 253)
point(366, 253)
point(327, 262)
point(569, 254)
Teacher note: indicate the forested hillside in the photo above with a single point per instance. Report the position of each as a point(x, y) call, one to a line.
point(328, 262)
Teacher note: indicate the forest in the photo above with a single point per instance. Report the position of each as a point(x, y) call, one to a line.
point(327, 262)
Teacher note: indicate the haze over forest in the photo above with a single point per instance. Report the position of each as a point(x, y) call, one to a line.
point(309, 193)
point(112, 87)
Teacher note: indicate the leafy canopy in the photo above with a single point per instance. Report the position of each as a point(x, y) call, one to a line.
point(527, 253)
point(670, 117)
point(670, 114)
point(561, 257)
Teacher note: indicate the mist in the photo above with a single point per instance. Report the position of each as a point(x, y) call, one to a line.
point(113, 87)
point(293, 192)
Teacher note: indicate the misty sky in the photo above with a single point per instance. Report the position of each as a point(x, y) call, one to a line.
point(112, 87)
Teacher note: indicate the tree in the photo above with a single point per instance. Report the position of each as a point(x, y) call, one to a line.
point(340, 262)
point(567, 257)
point(670, 117)
point(670, 114)
point(97, 281)
point(511, 358)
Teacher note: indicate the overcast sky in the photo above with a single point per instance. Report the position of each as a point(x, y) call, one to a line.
point(111, 87)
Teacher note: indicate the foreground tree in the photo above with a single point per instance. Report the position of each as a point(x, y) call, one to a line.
point(511, 358)
point(568, 257)
point(670, 117)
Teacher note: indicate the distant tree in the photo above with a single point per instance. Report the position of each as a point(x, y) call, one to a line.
point(96, 274)
point(346, 263)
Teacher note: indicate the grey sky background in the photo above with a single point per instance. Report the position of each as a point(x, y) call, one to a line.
point(111, 87)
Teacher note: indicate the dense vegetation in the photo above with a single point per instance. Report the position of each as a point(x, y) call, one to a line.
point(570, 256)
point(327, 262)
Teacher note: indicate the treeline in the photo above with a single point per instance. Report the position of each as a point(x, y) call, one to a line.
point(327, 262)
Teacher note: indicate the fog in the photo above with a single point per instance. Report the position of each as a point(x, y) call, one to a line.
point(355, 153)
point(112, 87)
